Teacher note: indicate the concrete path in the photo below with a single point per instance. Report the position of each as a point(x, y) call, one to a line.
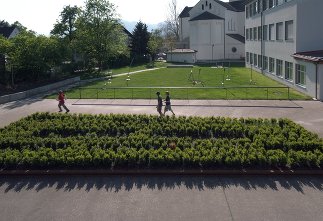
point(177, 198)
point(307, 113)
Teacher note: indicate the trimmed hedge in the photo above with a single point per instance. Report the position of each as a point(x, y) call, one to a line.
point(48, 141)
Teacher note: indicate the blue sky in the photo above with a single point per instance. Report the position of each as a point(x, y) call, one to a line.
point(40, 15)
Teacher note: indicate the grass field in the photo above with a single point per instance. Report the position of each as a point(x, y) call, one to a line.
point(233, 83)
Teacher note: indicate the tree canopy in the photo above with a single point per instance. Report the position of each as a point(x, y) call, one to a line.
point(140, 38)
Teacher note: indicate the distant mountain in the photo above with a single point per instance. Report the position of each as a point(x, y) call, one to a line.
point(130, 25)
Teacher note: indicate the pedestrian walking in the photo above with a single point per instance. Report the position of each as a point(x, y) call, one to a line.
point(61, 101)
point(168, 106)
point(159, 104)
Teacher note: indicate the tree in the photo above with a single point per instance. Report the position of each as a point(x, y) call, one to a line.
point(99, 33)
point(65, 27)
point(4, 23)
point(139, 41)
point(172, 22)
point(155, 42)
point(5, 48)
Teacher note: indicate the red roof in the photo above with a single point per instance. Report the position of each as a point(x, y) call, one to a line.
point(312, 56)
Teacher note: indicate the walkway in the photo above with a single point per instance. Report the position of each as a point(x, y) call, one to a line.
point(307, 113)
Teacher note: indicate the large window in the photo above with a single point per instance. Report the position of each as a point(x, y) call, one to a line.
point(251, 58)
point(279, 31)
point(260, 61)
point(255, 60)
point(288, 71)
point(264, 5)
point(289, 30)
point(265, 33)
point(247, 34)
point(251, 34)
point(255, 33)
point(271, 4)
point(271, 32)
point(279, 68)
point(247, 12)
point(265, 63)
point(259, 33)
point(247, 57)
point(300, 75)
point(271, 65)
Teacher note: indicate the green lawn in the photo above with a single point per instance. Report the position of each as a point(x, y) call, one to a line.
point(182, 77)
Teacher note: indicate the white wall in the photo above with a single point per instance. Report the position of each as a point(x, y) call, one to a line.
point(204, 34)
point(320, 79)
point(181, 57)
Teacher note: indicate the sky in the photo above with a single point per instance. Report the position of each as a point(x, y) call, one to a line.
point(41, 15)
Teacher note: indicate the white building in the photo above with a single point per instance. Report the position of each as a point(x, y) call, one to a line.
point(284, 40)
point(214, 29)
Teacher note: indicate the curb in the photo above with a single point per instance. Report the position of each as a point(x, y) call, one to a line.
point(160, 172)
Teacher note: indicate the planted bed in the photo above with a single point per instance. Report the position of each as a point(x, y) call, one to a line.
point(61, 141)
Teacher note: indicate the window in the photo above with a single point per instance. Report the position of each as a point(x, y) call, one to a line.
point(247, 34)
point(288, 71)
point(210, 6)
point(251, 34)
point(247, 57)
point(264, 5)
point(260, 61)
point(271, 4)
point(289, 30)
point(271, 65)
point(265, 33)
point(255, 60)
point(251, 58)
point(265, 63)
point(279, 31)
point(271, 32)
point(259, 6)
point(255, 33)
point(300, 75)
point(202, 7)
point(279, 68)
point(259, 33)
point(247, 12)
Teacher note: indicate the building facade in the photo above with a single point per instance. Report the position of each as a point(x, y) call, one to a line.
point(284, 40)
point(214, 29)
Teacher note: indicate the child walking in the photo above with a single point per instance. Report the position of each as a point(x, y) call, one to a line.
point(61, 101)
point(168, 106)
point(159, 104)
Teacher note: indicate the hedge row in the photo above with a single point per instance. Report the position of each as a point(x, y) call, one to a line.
point(45, 140)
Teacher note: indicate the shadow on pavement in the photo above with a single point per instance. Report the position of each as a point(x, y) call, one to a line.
point(118, 183)
point(21, 103)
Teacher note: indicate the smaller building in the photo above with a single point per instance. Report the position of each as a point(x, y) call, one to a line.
point(182, 56)
point(9, 32)
point(313, 62)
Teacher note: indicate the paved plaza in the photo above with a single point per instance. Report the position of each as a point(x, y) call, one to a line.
point(165, 197)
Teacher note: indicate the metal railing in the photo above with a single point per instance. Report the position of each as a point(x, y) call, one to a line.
point(243, 92)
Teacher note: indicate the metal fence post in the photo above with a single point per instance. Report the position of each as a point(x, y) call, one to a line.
point(97, 93)
point(80, 93)
point(226, 93)
point(114, 93)
point(267, 93)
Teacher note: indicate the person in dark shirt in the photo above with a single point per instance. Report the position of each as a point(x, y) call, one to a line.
point(61, 101)
point(159, 104)
point(168, 106)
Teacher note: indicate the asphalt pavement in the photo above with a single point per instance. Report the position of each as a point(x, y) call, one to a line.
point(165, 197)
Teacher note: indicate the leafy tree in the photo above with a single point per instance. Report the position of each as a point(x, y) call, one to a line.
point(99, 33)
point(4, 23)
point(155, 42)
point(65, 27)
point(33, 56)
point(140, 38)
point(5, 48)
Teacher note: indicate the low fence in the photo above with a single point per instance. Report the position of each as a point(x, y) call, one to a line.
point(37, 91)
point(260, 93)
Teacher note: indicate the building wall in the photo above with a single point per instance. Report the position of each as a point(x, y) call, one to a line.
point(181, 57)
point(309, 25)
point(230, 44)
point(320, 81)
point(306, 37)
point(204, 34)
point(184, 28)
